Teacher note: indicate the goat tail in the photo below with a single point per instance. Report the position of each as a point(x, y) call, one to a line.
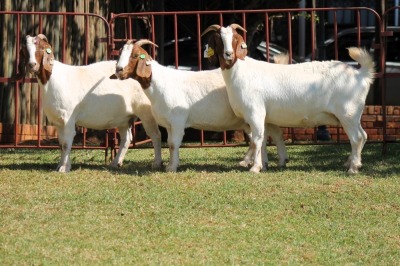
point(365, 60)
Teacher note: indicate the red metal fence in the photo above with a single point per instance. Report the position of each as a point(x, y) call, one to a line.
point(161, 25)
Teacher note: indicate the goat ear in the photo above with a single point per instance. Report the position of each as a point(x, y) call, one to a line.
point(211, 50)
point(241, 48)
point(22, 64)
point(113, 76)
point(143, 68)
point(48, 60)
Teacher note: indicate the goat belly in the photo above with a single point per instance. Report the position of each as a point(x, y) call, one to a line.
point(290, 119)
point(102, 121)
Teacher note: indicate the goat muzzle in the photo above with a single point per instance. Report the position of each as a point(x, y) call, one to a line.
point(119, 73)
point(32, 67)
point(228, 55)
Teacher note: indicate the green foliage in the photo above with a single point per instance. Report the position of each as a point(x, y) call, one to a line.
point(210, 212)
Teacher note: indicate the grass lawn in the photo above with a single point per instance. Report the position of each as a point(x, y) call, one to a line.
point(210, 212)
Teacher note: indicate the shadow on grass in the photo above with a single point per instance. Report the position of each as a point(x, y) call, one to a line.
point(332, 158)
point(321, 158)
point(131, 169)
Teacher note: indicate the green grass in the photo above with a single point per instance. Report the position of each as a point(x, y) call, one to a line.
point(210, 212)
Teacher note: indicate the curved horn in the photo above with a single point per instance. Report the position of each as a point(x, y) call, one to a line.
point(237, 26)
point(42, 36)
point(214, 27)
point(144, 41)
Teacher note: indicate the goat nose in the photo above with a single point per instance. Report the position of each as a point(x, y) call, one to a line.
point(228, 53)
point(32, 65)
point(119, 69)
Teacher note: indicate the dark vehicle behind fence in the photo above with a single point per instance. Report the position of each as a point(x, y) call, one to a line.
point(347, 38)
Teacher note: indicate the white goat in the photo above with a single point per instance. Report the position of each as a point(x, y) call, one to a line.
point(84, 95)
point(182, 99)
point(300, 95)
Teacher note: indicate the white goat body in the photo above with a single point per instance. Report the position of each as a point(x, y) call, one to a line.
point(86, 96)
point(300, 95)
point(182, 99)
point(196, 98)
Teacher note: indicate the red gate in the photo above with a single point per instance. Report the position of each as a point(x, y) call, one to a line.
point(71, 46)
point(122, 27)
point(101, 40)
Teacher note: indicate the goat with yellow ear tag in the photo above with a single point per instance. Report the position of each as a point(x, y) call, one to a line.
point(182, 99)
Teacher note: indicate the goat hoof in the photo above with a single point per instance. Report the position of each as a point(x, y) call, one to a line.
point(352, 171)
point(283, 164)
point(244, 163)
point(63, 169)
point(156, 165)
point(115, 164)
point(255, 169)
point(170, 169)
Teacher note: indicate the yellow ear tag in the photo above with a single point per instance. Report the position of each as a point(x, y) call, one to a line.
point(48, 50)
point(244, 45)
point(210, 51)
point(142, 56)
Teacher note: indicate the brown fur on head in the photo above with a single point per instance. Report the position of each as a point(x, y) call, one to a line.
point(139, 65)
point(44, 59)
point(44, 53)
point(216, 47)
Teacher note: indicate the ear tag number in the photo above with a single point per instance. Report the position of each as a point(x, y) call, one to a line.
point(142, 56)
point(48, 50)
point(244, 45)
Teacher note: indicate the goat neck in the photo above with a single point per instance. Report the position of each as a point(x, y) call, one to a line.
point(41, 57)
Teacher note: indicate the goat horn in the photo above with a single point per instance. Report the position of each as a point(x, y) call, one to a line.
point(237, 26)
point(214, 27)
point(42, 36)
point(143, 42)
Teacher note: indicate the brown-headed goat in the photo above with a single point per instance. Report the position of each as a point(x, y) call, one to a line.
point(85, 96)
point(182, 99)
point(300, 95)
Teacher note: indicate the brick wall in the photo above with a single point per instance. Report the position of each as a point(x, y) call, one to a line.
point(371, 121)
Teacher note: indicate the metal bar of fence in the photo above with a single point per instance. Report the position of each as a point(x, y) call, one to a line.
point(220, 14)
point(17, 83)
point(244, 13)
